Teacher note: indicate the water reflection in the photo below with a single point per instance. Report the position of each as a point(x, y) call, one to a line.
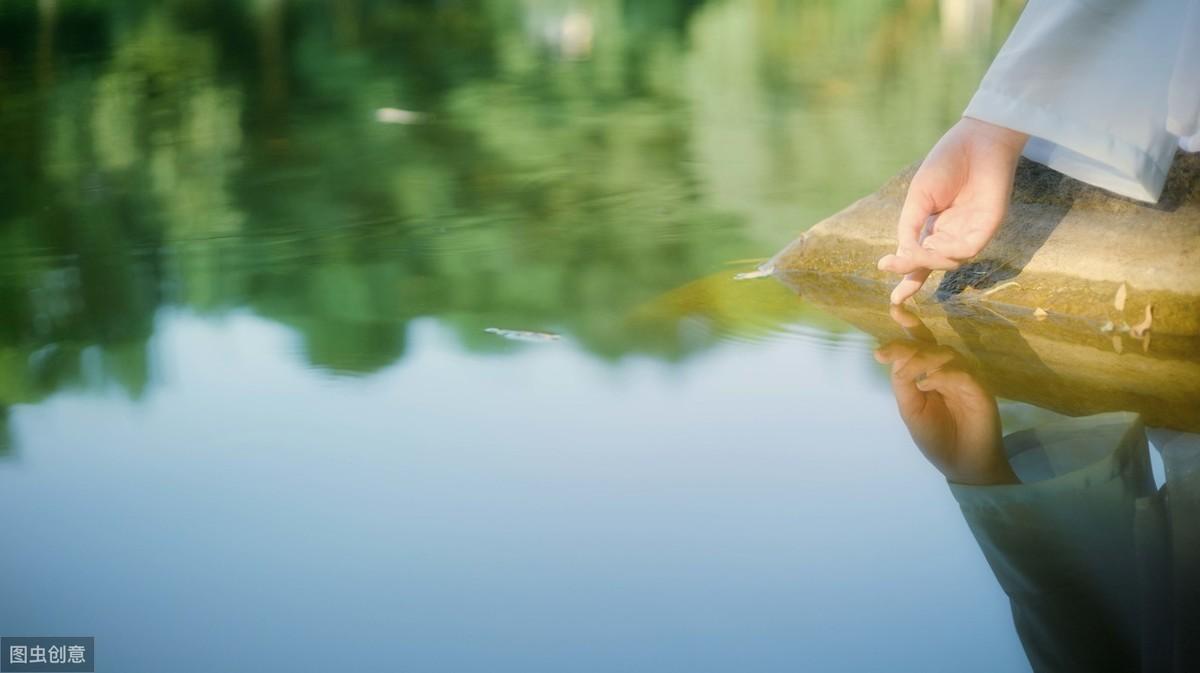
point(1099, 563)
point(219, 156)
point(950, 415)
point(245, 357)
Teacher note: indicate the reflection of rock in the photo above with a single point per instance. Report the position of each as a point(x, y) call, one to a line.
point(1067, 246)
point(718, 306)
point(1049, 363)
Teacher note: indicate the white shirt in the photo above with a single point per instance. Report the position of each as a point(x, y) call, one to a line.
point(1106, 89)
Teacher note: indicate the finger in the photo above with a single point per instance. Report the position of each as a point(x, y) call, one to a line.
point(908, 260)
point(957, 384)
point(909, 286)
point(915, 219)
point(911, 324)
point(909, 399)
point(925, 362)
point(896, 350)
point(943, 381)
point(914, 215)
point(904, 317)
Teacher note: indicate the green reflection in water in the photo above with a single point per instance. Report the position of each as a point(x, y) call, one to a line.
point(573, 162)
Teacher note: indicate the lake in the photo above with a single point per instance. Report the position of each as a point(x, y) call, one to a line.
point(358, 335)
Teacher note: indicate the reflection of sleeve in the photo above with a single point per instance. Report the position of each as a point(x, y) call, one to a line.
point(1181, 460)
point(1107, 89)
point(1065, 549)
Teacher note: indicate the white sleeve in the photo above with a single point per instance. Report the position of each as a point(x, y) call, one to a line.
point(1106, 89)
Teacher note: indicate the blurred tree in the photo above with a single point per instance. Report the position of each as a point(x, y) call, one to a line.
point(572, 161)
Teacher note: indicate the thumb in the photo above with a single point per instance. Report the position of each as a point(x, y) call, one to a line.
point(917, 209)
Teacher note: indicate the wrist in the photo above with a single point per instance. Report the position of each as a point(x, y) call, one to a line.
point(1011, 139)
point(987, 467)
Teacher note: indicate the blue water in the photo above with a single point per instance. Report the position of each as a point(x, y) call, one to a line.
point(771, 514)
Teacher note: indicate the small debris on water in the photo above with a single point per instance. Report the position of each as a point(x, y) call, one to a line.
point(1001, 286)
point(761, 272)
point(523, 335)
point(1143, 327)
point(1107, 327)
point(1119, 300)
point(1040, 313)
point(394, 115)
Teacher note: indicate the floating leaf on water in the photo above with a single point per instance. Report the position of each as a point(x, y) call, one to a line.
point(1143, 327)
point(523, 335)
point(394, 115)
point(1118, 346)
point(1107, 327)
point(1040, 313)
point(761, 272)
point(1119, 300)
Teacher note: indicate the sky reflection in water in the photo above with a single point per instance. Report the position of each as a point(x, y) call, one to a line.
point(518, 512)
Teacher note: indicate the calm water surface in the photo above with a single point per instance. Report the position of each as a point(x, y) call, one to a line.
point(250, 417)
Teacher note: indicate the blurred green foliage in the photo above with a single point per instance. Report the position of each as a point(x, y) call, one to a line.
point(572, 161)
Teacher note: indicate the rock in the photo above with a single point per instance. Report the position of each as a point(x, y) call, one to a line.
point(1085, 302)
point(1066, 247)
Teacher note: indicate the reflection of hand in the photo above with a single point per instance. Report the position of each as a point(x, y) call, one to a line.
point(964, 185)
point(952, 419)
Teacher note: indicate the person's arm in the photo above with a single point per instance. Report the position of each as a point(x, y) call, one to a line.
point(1101, 90)
point(1091, 82)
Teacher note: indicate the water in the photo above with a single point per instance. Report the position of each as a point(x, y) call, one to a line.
point(253, 417)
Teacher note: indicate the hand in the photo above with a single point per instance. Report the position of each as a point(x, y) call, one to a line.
point(955, 203)
point(951, 417)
